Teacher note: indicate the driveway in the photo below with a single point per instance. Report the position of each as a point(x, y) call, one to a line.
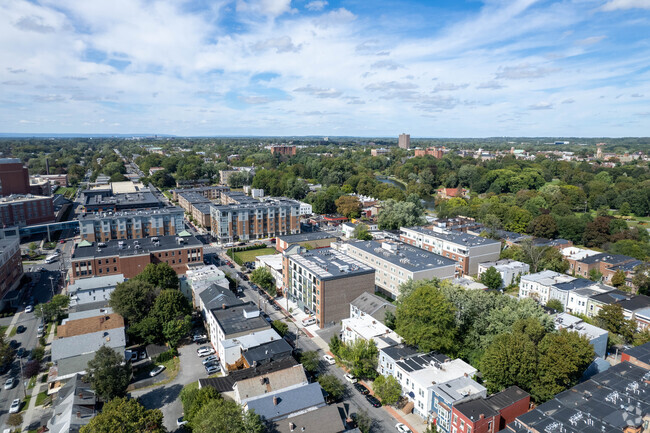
point(165, 397)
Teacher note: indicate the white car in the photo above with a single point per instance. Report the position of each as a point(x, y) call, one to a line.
point(156, 371)
point(204, 351)
point(10, 383)
point(29, 309)
point(350, 378)
point(15, 406)
point(401, 428)
point(329, 359)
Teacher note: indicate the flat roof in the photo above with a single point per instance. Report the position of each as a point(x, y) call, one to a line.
point(422, 361)
point(614, 259)
point(465, 239)
point(329, 264)
point(642, 353)
point(232, 319)
point(127, 247)
point(258, 204)
point(168, 210)
point(194, 197)
point(87, 343)
point(304, 237)
point(16, 198)
point(575, 324)
point(403, 255)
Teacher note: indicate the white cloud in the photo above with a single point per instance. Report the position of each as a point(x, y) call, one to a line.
point(319, 92)
point(541, 106)
point(613, 5)
point(282, 44)
point(523, 72)
point(590, 40)
point(316, 5)
point(272, 8)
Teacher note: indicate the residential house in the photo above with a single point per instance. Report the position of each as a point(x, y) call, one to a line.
point(239, 352)
point(597, 337)
point(371, 305)
point(448, 193)
point(92, 293)
point(309, 240)
point(599, 263)
point(236, 321)
point(368, 328)
point(579, 299)
point(275, 406)
point(510, 270)
point(491, 414)
point(446, 395)
point(538, 285)
point(275, 381)
point(73, 406)
point(388, 357)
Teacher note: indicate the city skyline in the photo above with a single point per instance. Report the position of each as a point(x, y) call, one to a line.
point(347, 68)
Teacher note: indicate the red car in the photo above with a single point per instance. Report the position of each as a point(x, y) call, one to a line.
point(62, 241)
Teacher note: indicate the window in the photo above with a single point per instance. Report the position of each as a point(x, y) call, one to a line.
point(455, 419)
point(462, 424)
point(469, 428)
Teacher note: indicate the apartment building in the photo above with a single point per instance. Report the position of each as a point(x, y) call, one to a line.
point(404, 141)
point(466, 249)
point(283, 149)
point(396, 262)
point(309, 240)
point(26, 210)
point(324, 282)
point(380, 152)
point(510, 270)
point(130, 256)
point(134, 224)
point(600, 263)
point(14, 177)
point(445, 396)
point(580, 300)
point(186, 199)
point(113, 200)
point(236, 321)
point(11, 267)
point(212, 192)
point(436, 152)
point(635, 307)
point(254, 220)
point(538, 285)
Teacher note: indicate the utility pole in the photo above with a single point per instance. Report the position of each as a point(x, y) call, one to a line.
point(52, 284)
point(20, 361)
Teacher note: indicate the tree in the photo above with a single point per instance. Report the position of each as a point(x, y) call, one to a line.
point(309, 360)
point(193, 399)
point(361, 358)
point(349, 206)
point(133, 299)
point(335, 345)
point(364, 421)
point(6, 352)
point(597, 232)
point(263, 278)
point(388, 389)
point(332, 386)
point(280, 327)
point(612, 318)
point(426, 319)
point(618, 279)
point(361, 232)
point(220, 415)
point(170, 305)
point(625, 209)
point(109, 376)
point(641, 278)
point(126, 416)
point(53, 310)
point(159, 275)
point(175, 330)
point(394, 215)
point(31, 369)
point(544, 226)
point(15, 419)
point(389, 320)
point(491, 278)
point(595, 275)
point(147, 330)
point(555, 304)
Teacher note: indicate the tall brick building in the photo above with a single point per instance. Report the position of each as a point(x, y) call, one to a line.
point(243, 222)
point(283, 150)
point(14, 177)
point(25, 210)
point(11, 268)
point(105, 226)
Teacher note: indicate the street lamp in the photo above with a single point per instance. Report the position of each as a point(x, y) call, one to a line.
point(52, 284)
point(20, 361)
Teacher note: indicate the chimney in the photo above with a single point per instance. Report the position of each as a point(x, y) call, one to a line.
point(223, 306)
point(292, 426)
point(481, 416)
point(275, 401)
point(78, 414)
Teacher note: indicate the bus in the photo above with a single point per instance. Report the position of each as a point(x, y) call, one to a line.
point(51, 259)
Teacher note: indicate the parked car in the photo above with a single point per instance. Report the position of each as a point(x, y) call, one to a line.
point(20, 329)
point(181, 421)
point(373, 400)
point(350, 378)
point(199, 337)
point(156, 371)
point(204, 351)
point(401, 428)
point(211, 358)
point(362, 389)
point(21, 352)
point(329, 359)
point(29, 308)
point(10, 383)
point(131, 355)
point(213, 369)
point(15, 406)
point(143, 354)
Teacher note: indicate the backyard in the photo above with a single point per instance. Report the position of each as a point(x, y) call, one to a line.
point(250, 255)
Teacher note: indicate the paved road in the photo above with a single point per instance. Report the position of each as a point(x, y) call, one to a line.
point(166, 397)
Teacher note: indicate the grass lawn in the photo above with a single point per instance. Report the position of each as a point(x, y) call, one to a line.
point(249, 256)
point(3, 329)
point(32, 382)
point(41, 397)
point(168, 195)
point(67, 192)
point(26, 402)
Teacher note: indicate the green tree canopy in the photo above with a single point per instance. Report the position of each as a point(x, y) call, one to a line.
point(426, 319)
point(263, 278)
point(361, 232)
point(348, 206)
point(133, 299)
point(394, 215)
point(126, 415)
point(388, 389)
point(281, 327)
point(332, 386)
point(159, 275)
point(108, 374)
point(491, 278)
point(361, 358)
point(309, 360)
point(219, 415)
point(53, 310)
point(170, 305)
point(555, 304)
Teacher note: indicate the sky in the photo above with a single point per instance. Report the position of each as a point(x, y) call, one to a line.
point(437, 68)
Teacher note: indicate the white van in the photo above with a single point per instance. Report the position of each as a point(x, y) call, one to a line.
point(51, 259)
point(309, 321)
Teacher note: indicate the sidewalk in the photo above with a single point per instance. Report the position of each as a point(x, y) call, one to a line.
point(29, 413)
point(12, 324)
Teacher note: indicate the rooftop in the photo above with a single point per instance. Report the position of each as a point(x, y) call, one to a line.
point(275, 202)
point(169, 210)
point(328, 264)
point(90, 313)
point(218, 295)
point(578, 283)
point(402, 351)
point(328, 419)
point(87, 343)
point(422, 361)
point(507, 397)
point(367, 327)
point(403, 255)
point(204, 208)
point(642, 353)
point(373, 305)
point(547, 278)
point(474, 409)
point(504, 264)
point(96, 283)
point(226, 383)
point(442, 372)
point(253, 339)
point(194, 197)
point(240, 318)
point(70, 328)
point(575, 324)
point(16, 198)
point(469, 284)
point(612, 259)
point(133, 247)
point(305, 237)
point(458, 389)
point(268, 352)
point(141, 198)
point(464, 239)
point(279, 405)
point(271, 382)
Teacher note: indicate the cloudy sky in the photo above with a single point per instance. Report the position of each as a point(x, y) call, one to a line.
point(434, 68)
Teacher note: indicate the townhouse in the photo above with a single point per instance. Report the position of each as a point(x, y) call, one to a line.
point(510, 270)
point(490, 414)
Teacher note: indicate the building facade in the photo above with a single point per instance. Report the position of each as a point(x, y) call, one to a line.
point(283, 150)
point(11, 267)
point(395, 263)
point(404, 141)
point(106, 226)
point(260, 220)
point(129, 257)
point(26, 210)
point(14, 177)
point(466, 249)
point(510, 270)
point(324, 282)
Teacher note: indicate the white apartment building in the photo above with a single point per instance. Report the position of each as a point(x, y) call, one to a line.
point(466, 249)
point(538, 286)
point(395, 263)
point(305, 208)
point(508, 269)
point(368, 328)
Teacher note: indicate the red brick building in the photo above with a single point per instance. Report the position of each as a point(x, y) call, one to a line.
point(490, 414)
point(283, 150)
point(25, 210)
point(11, 268)
point(14, 177)
point(130, 257)
point(436, 152)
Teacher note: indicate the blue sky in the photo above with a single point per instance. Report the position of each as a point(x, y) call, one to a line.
point(449, 68)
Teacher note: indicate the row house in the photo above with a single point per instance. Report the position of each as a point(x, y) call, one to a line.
point(466, 249)
point(635, 307)
point(600, 262)
point(509, 270)
point(490, 414)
